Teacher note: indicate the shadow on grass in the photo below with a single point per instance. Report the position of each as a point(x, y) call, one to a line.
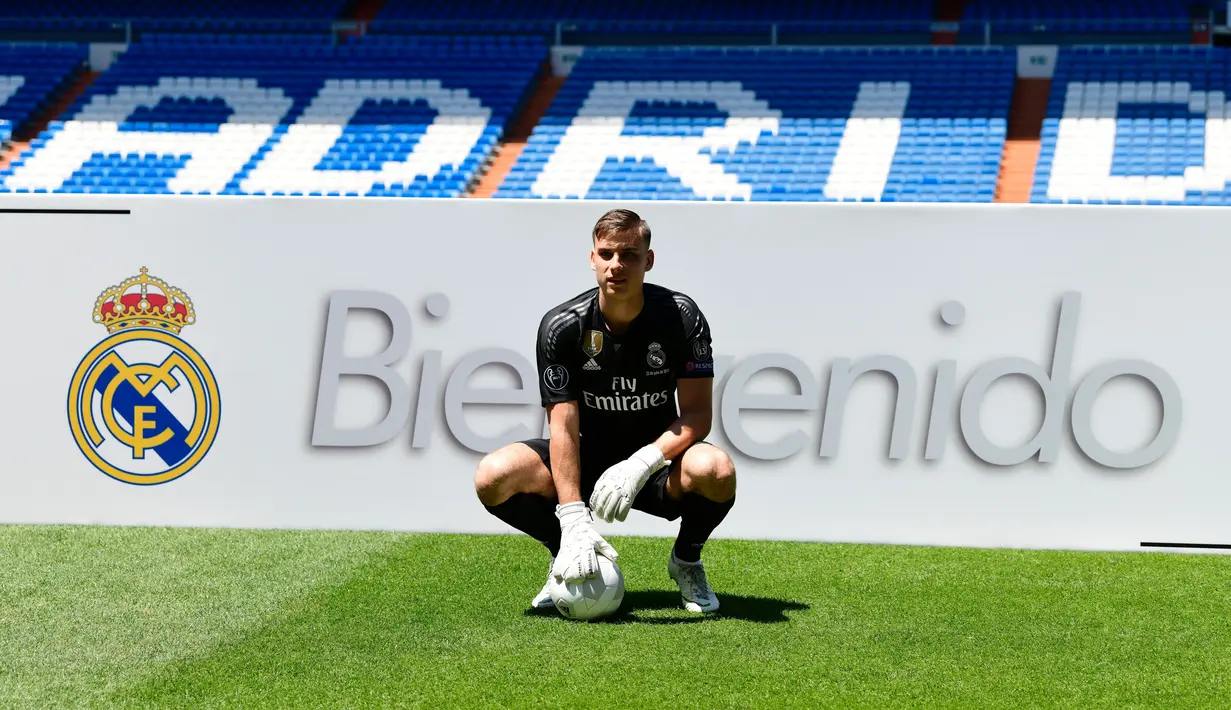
point(761, 610)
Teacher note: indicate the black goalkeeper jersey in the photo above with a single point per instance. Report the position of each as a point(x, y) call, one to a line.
point(624, 384)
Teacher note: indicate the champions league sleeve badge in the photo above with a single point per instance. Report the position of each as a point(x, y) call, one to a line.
point(143, 405)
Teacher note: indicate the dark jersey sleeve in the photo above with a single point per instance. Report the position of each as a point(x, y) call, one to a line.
point(559, 341)
point(698, 359)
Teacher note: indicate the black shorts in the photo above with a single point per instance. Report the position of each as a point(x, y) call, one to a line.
point(653, 497)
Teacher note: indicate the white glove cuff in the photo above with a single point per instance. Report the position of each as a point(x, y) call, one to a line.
point(573, 513)
point(651, 456)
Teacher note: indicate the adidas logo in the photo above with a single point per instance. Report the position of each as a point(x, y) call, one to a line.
point(591, 365)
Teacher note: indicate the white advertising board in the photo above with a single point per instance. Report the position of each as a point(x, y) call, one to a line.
point(1036, 376)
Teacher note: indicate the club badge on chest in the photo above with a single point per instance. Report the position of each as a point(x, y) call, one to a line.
point(655, 358)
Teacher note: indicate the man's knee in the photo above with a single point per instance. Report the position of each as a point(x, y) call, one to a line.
point(509, 470)
point(492, 477)
point(489, 479)
point(711, 473)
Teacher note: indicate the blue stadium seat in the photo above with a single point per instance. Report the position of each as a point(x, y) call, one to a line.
point(683, 15)
point(776, 125)
point(1082, 15)
point(29, 76)
point(1130, 125)
point(187, 15)
point(284, 114)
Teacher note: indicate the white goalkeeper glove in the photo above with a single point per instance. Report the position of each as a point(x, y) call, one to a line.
point(580, 544)
point(615, 490)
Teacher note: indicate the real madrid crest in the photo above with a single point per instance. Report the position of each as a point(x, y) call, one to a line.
point(593, 344)
point(656, 358)
point(143, 405)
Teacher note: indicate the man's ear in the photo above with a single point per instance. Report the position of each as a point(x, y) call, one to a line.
point(649, 260)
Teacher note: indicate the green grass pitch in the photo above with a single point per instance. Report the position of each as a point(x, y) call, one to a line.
point(151, 617)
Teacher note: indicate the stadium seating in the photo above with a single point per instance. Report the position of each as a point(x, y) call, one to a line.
point(9, 85)
point(647, 22)
point(777, 125)
point(290, 111)
point(284, 115)
point(28, 76)
point(1078, 21)
point(1091, 14)
point(167, 14)
point(1137, 126)
point(653, 10)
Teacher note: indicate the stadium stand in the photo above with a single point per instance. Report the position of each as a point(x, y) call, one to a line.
point(274, 15)
point(692, 11)
point(9, 85)
point(685, 22)
point(1137, 126)
point(29, 75)
point(277, 114)
point(778, 125)
point(291, 104)
point(1094, 14)
point(1068, 21)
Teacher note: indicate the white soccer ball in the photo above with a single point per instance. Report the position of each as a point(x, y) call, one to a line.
point(590, 599)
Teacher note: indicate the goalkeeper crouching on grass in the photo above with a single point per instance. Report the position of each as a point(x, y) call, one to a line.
point(611, 363)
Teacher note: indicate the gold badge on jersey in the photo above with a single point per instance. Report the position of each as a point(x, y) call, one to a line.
point(594, 343)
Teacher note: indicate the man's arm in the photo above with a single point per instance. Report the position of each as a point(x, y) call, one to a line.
point(580, 544)
point(558, 343)
point(696, 402)
point(615, 490)
point(618, 486)
point(694, 383)
point(559, 340)
point(565, 444)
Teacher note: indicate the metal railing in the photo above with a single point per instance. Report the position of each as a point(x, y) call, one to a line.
point(612, 31)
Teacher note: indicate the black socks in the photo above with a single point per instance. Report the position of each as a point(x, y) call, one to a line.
point(532, 514)
point(536, 516)
point(700, 516)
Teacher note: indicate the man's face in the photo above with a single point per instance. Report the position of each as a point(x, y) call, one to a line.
point(620, 262)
